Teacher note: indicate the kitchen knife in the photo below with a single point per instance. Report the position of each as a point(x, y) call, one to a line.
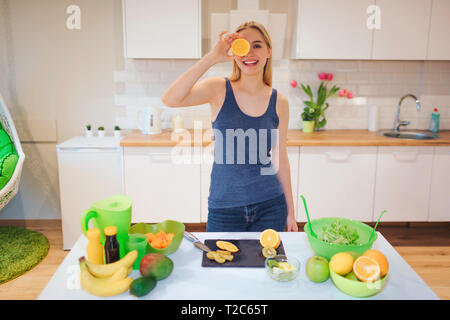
point(196, 241)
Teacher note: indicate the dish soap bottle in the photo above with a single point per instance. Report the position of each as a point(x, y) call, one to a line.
point(94, 248)
point(112, 252)
point(434, 125)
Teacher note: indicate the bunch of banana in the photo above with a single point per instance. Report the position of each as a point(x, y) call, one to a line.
point(107, 280)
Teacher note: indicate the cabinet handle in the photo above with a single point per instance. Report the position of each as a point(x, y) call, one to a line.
point(338, 156)
point(84, 149)
point(406, 155)
point(160, 157)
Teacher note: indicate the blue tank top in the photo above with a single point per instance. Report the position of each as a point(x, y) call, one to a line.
point(242, 171)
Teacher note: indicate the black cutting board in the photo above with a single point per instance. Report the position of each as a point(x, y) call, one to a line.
point(249, 254)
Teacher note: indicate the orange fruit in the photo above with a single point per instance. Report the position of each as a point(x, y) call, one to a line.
point(225, 245)
point(380, 258)
point(240, 47)
point(270, 238)
point(366, 269)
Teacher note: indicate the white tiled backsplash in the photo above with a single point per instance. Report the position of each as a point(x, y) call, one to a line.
point(379, 83)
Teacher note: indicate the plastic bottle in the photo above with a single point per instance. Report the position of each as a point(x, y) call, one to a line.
point(373, 119)
point(112, 252)
point(434, 124)
point(94, 248)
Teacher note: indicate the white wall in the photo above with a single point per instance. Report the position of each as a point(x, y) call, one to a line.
point(55, 81)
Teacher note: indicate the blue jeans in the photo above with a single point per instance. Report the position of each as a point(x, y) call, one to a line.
point(269, 214)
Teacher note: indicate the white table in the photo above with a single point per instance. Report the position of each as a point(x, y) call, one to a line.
point(189, 280)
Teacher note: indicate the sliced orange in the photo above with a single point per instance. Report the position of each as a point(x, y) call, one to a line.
point(225, 245)
point(380, 258)
point(240, 47)
point(270, 238)
point(366, 269)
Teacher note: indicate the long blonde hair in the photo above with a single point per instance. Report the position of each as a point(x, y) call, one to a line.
point(267, 75)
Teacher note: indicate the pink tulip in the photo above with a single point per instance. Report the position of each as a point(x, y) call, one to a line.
point(323, 76)
point(294, 84)
point(350, 95)
point(342, 93)
point(330, 76)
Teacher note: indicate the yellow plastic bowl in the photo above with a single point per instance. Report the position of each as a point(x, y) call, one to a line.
point(356, 288)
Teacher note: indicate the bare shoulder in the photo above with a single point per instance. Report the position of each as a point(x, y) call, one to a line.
point(216, 85)
point(282, 105)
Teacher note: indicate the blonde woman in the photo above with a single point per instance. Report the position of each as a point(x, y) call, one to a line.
point(246, 111)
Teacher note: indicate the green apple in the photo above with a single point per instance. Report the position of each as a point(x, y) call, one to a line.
point(352, 276)
point(317, 269)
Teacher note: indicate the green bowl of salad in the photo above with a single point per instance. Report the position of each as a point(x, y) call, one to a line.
point(338, 235)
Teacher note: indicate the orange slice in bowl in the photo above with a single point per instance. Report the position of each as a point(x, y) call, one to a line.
point(270, 238)
point(240, 47)
point(380, 258)
point(366, 269)
point(225, 245)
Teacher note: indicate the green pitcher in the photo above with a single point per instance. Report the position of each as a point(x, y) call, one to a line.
point(113, 211)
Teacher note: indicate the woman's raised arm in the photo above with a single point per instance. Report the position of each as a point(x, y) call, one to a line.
point(186, 91)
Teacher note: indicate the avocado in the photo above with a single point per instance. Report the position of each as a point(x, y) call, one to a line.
point(142, 286)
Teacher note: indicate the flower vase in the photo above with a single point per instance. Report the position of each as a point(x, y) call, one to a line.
point(308, 126)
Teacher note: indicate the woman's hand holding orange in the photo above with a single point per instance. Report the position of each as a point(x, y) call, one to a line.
point(223, 45)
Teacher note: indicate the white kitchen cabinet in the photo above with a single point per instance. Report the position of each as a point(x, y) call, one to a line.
point(337, 182)
point(404, 30)
point(438, 43)
point(440, 185)
point(90, 170)
point(208, 157)
point(169, 29)
point(162, 187)
point(403, 183)
point(330, 29)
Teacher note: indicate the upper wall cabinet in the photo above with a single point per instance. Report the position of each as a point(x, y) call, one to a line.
point(330, 29)
point(438, 43)
point(169, 29)
point(403, 34)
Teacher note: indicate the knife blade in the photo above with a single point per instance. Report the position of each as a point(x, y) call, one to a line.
point(196, 241)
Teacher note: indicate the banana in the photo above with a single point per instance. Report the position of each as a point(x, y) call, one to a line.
point(107, 270)
point(120, 274)
point(103, 287)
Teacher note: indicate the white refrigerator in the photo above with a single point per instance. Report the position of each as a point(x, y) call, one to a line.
point(90, 169)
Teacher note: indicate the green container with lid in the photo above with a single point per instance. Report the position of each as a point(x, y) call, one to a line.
point(113, 211)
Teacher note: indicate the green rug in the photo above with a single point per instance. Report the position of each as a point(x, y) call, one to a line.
point(20, 250)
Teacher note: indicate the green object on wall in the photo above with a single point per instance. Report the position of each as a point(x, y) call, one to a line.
point(8, 158)
point(20, 250)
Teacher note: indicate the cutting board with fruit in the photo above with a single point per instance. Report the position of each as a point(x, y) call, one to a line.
point(249, 254)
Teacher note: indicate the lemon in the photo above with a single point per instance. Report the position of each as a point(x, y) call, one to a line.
point(342, 263)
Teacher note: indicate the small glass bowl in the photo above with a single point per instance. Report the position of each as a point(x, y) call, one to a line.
point(278, 272)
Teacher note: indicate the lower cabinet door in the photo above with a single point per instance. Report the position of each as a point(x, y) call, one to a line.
point(337, 182)
point(440, 185)
point(163, 182)
point(403, 183)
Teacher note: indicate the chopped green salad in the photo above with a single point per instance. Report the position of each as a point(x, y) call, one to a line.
point(339, 233)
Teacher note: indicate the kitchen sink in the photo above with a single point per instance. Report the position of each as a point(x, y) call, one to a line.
point(417, 135)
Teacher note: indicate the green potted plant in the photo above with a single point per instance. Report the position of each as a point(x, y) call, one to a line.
point(308, 120)
point(316, 105)
point(101, 132)
point(88, 130)
point(117, 132)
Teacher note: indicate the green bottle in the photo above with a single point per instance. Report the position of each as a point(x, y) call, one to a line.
point(434, 124)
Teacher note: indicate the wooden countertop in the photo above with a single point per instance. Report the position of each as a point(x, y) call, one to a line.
point(295, 138)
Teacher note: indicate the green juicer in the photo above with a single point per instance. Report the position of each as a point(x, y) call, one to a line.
point(113, 211)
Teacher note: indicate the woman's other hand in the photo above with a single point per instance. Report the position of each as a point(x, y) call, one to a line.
point(291, 223)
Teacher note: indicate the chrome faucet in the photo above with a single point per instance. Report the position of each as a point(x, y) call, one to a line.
point(398, 122)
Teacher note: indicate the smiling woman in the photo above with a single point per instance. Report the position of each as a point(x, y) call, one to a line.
point(251, 189)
